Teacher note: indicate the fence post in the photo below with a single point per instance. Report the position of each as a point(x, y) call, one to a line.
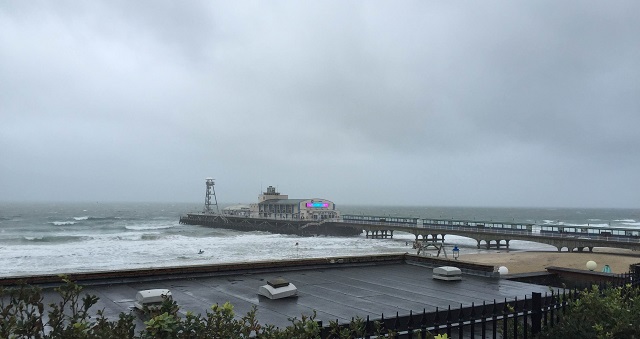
point(494, 321)
point(423, 324)
point(525, 320)
point(436, 322)
point(472, 320)
point(552, 308)
point(564, 301)
point(396, 326)
point(483, 323)
point(368, 328)
point(536, 312)
point(410, 325)
point(505, 319)
point(515, 319)
point(449, 322)
point(460, 322)
point(545, 309)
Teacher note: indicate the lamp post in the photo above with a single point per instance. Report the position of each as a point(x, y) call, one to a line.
point(456, 252)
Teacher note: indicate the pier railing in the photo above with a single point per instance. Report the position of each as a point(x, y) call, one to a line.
point(492, 230)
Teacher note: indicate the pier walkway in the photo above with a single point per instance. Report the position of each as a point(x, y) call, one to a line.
point(433, 231)
point(492, 234)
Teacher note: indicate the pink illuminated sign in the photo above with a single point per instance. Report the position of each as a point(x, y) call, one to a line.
point(317, 205)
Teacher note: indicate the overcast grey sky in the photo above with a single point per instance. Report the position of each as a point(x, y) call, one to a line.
point(486, 103)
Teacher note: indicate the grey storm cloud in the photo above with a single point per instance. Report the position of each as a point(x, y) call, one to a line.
point(416, 103)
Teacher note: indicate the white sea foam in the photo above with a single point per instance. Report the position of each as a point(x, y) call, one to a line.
point(180, 250)
point(61, 223)
point(148, 227)
point(32, 238)
point(601, 223)
point(161, 250)
point(586, 225)
point(134, 237)
point(628, 222)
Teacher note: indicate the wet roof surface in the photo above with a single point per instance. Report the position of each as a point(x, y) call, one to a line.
point(334, 293)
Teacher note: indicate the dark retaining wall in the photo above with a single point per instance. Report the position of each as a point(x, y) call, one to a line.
point(179, 272)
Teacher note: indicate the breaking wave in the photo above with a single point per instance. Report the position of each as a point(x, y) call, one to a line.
point(55, 239)
point(147, 227)
point(103, 218)
point(151, 236)
point(62, 223)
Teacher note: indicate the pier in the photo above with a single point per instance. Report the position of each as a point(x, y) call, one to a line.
point(488, 234)
point(498, 234)
point(274, 225)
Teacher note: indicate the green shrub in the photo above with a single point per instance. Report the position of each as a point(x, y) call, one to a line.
point(610, 313)
point(22, 315)
point(21, 312)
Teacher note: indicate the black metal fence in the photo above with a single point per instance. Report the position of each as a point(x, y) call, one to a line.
point(517, 319)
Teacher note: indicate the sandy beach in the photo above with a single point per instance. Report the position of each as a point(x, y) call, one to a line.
point(534, 261)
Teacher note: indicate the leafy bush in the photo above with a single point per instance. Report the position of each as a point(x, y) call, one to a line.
point(23, 316)
point(607, 313)
point(22, 313)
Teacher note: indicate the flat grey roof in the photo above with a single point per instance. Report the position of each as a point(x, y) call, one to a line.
point(282, 201)
point(334, 292)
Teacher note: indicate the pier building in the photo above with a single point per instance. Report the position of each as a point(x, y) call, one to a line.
point(239, 210)
point(273, 205)
point(274, 212)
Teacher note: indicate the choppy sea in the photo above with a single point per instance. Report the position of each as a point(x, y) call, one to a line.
point(45, 238)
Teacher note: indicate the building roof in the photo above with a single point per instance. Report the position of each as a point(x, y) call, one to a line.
point(337, 289)
point(283, 201)
point(236, 207)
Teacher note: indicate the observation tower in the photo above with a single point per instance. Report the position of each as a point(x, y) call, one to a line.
point(207, 200)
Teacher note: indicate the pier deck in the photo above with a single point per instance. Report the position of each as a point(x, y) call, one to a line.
point(501, 237)
point(487, 233)
point(499, 234)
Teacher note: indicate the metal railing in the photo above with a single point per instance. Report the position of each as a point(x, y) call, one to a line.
point(495, 230)
point(516, 319)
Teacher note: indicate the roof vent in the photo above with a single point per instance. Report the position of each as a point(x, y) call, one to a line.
point(447, 273)
point(277, 282)
point(278, 288)
point(152, 299)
